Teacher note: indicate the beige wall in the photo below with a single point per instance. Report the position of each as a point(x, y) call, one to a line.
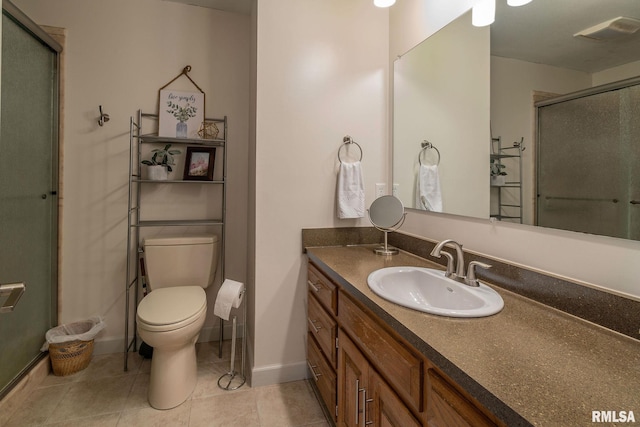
point(119, 53)
point(597, 261)
point(322, 72)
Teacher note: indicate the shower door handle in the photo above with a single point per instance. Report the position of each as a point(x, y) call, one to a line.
point(12, 292)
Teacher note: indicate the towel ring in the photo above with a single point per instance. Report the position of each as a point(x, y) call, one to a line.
point(348, 140)
point(425, 146)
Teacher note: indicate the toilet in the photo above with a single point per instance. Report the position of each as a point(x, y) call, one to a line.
point(170, 317)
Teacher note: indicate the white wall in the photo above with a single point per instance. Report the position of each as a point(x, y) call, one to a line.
point(597, 261)
point(119, 53)
point(322, 72)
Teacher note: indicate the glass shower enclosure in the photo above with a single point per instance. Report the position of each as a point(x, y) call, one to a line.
point(28, 191)
point(588, 162)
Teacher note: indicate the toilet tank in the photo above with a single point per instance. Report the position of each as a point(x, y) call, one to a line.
point(180, 261)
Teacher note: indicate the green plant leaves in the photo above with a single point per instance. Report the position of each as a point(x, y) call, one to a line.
point(162, 156)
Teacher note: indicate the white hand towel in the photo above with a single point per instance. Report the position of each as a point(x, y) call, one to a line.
point(350, 191)
point(428, 194)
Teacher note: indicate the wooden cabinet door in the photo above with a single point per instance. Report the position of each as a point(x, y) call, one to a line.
point(353, 373)
point(401, 365)
point(446, 407)
point(386, 409)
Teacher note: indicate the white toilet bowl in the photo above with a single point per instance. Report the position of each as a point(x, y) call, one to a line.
point(169, 320)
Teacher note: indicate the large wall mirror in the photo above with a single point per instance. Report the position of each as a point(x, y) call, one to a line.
point(465, 104)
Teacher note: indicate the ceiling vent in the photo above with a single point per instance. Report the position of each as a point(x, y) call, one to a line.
point(610, 30)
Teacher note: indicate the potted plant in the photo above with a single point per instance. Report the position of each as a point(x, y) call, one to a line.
point(497, 173)
point(160, 164)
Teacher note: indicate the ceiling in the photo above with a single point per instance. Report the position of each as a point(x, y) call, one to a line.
point(542, 32)
point(235, 6)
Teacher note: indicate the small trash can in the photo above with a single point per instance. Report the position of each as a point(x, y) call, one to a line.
point(71, 345)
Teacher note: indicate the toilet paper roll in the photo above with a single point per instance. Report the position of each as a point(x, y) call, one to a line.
point(230, 295)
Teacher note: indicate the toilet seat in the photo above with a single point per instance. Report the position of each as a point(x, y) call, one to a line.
point(167, 309)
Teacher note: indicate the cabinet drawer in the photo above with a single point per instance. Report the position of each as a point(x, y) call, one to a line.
point(401, 367)
point(324, 328)
point(323, 375)
point(323, 289)
point(446, 407)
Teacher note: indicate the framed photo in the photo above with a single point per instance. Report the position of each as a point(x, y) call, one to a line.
point(199, 163)
point(180, 113)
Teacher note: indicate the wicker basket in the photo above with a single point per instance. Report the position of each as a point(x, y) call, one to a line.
point(70, 357)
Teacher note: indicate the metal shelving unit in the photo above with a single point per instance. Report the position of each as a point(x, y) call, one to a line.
point(135, 221)
point(509, 211)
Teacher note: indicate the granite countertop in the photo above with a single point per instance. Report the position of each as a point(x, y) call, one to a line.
point(527, 364)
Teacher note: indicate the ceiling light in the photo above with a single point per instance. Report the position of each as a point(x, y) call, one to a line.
point(518, 2)
point(384, 3)
point(483, 13)
point(612, 29)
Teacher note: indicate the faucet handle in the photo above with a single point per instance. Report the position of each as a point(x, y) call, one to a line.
point(449, 257)
point(471, 279)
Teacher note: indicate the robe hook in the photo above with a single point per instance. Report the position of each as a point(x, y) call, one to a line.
point(104, 118)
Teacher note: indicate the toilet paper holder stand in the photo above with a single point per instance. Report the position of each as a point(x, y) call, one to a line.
point(233, 380)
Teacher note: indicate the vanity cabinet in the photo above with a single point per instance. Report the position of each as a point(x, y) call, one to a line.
point(365, 398)
point(371, 375)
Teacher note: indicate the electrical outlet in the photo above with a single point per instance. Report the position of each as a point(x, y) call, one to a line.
point(396, 188)
point(381, 189)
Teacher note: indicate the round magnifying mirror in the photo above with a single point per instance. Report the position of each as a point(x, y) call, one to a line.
point(387, 214)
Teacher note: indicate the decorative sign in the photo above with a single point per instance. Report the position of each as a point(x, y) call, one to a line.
point(180, 113)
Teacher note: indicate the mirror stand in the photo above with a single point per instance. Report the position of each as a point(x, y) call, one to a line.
point(386, 250)
point(386, 214)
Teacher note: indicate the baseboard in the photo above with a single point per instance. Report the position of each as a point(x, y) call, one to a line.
point(276, 374)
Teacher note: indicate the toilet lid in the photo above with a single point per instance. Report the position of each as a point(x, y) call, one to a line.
point(166, 306)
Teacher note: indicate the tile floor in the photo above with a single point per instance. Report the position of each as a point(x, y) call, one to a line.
point(103, 395)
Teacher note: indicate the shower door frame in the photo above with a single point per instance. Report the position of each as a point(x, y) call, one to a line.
point(608, 87)
point(22, 20)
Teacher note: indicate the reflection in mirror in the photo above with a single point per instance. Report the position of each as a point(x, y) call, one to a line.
point(533, 56)
point(441, 96)
point(386, 214)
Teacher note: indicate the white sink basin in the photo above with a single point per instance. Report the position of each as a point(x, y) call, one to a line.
point(426, 289)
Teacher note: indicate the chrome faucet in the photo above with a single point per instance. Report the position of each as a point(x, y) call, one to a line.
point(436, 252)
point(470, 279)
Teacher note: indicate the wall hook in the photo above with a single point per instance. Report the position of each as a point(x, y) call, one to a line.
point(104, 118)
